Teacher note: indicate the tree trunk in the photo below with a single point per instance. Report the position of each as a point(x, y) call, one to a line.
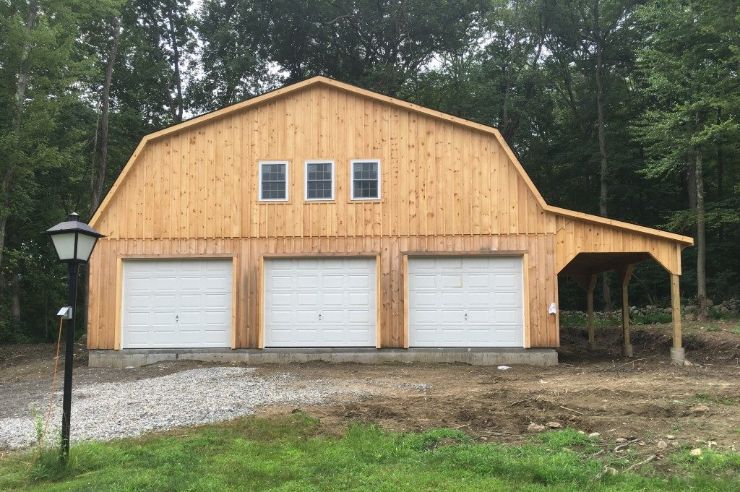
point(701, 243)
point(691, 181)
point(172, 31)
point(15, 304)
point(603, 161)
point(100, 169)
point(604, 165)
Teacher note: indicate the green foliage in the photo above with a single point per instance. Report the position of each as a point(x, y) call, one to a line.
point(291, 453)
point(528, 67)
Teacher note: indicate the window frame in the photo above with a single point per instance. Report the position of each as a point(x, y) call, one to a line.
point(305, 180)
point(287, 182)
point(352, 181)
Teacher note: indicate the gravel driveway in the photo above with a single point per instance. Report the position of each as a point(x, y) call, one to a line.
point(106, 410)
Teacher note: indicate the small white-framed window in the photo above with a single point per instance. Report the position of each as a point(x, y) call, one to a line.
point(365, 179)
point(319, 180)
point(273, 181)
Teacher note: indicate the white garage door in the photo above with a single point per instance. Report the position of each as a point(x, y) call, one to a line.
point(176, 303)
point(466, 302)
point(320, 302)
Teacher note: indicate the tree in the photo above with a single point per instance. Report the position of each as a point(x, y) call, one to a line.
point(689, 79)
point(375, 44)
point(43, 60)
point(599, 33)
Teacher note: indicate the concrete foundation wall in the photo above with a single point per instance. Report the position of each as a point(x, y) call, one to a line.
point(479, 357)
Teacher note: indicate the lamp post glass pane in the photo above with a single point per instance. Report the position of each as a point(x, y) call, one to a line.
point(65, 245)
point(85, 245)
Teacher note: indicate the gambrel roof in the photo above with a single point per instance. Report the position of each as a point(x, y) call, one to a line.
point(682, 241)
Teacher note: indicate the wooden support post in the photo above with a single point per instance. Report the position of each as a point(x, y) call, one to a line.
point(677, 351)
point(590, 311)
point(625, 274)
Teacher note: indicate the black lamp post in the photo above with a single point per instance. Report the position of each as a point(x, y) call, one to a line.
point(74, 242)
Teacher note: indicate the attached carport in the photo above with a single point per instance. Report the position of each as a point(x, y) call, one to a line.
point(587, 245)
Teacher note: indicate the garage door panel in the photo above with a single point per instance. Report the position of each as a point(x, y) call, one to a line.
point(361, 317)
point(161, 284)
point(425, 299)
point(333, 298)
point(220, 300)
point(358, 299)
point(508, 299)
point(476, 280)
point(176, 303)
point(356, 282)
point(479, 317)
point(425, 282)
point(452, 316)
point(506, 281)
point(451, 281)
point(161, 300)
point(216, 319)
point(189, 300)
point(333, 281)
point(287, 299)
point(452, 299)
point(155, 318)
point(279, 317)
point(337, 317)
point(466, 301)
point(140, 284)
point(426, 316)
point(280, 337)
point(305, 282)
point(478, 299)
point(340, 290)
point(307, 314)
point(304, 298)
point(282, 282)
point(507, 316)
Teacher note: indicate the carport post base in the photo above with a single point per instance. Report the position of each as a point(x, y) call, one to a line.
point(678, 355)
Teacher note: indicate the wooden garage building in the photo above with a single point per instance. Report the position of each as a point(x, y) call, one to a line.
point(325, 215)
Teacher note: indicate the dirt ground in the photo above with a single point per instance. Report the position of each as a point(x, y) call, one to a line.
point(646, 399)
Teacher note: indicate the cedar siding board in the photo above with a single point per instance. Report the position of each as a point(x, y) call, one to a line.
point(447, 186)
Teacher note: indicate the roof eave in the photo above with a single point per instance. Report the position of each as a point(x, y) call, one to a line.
point(685, 241)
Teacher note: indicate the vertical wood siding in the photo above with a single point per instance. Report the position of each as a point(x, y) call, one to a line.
point(438, 178)
point(446, 187)
point(575, 236)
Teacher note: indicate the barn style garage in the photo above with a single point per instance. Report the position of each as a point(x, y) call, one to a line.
point(324, 221)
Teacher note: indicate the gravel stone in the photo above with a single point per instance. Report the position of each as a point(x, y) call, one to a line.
point(104, 411)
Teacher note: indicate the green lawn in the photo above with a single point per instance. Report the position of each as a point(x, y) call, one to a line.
point(292, 453)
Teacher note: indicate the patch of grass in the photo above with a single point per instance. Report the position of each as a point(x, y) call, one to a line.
point(566, 439)
point(707, 398)
point(735, 329)
point(651, 318)
point(710, 462)
point(292, 453)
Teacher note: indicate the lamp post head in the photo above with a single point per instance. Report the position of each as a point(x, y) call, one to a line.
point(73, 240)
